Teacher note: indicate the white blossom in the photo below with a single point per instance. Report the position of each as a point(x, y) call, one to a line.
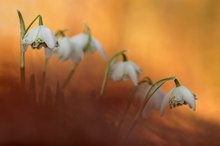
point(82, 43)
point(178, 96)
point(123, 70)
point(41, 36)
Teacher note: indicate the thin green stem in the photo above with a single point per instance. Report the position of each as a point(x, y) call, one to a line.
point(29, 26)
point(124, 57)
point(107, 70)
point(68, 78)
point(22, 53)
point(43, 79)
point(131, 97)
point(149, 94)
point(130, 100)
point(177, 83)
point(41, 21)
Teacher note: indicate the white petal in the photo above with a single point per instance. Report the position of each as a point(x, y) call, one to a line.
point(77, 55)
point(141, 92)
point(48, 37)
point(188, 97)
point(96, 44)
point(31, 35)
point(117, 70)
point(79, 41)
point(154, 102)
point(165, 102)
point(130, 70)
point(157, 98)
point(48, 52)
point(137, 68)
point(64, 50)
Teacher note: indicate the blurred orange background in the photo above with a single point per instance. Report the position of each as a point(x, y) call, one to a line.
point(164, 37)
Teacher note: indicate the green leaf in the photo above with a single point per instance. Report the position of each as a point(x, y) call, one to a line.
point(22, 24)
point(107, 70)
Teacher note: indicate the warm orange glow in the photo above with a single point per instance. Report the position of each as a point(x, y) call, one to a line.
point(166, 38)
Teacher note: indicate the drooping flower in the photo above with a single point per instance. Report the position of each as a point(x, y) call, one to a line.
point(65, 50)
point(41, 36)
point(83, 43)
point(178, 96)
point(124, 70)
point(154, 101)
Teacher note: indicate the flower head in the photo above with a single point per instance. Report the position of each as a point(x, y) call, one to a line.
point(65, 50)
point(154, 101)
point(178, 96)
point(41, 36)
point(84, 42)
point(123, 70)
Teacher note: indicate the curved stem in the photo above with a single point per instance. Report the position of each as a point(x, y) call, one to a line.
point(22, 53)
point(29, 26)
point(68, 78)
point(151, 91)
point(107, 70)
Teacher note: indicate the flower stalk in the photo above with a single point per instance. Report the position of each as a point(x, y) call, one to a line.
point(68, 78)
point(22, 54)
point(23, 31)
point(149, 94)
point(107, 70)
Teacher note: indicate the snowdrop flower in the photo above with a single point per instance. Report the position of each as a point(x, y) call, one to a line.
point(65, 50)
point(154, 101)
point(178, 96)
point(123, 70)
point(84, 42)
point(41, 36)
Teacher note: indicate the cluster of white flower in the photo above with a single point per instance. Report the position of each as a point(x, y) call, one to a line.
point(148, 94)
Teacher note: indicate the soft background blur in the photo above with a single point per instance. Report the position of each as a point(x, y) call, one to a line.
point(165, 37)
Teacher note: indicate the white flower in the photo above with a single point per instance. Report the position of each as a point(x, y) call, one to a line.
point(123, 70)
point(83, 43)
point(178, 96)
point(65, 49)
point(154, 101)
point(41, 36)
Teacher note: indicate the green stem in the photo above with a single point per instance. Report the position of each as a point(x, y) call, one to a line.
point(177, 83)
point(131, 97)
point(22, 76)
point(29, 26)
point(41, 95)
point(107, 70)
point(149, 94)
point(130, 100)
point(124, 57)
point(22, 53)
point(41, 20)
point(67, 80)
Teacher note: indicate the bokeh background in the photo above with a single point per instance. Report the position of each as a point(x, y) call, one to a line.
point(164, 37)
